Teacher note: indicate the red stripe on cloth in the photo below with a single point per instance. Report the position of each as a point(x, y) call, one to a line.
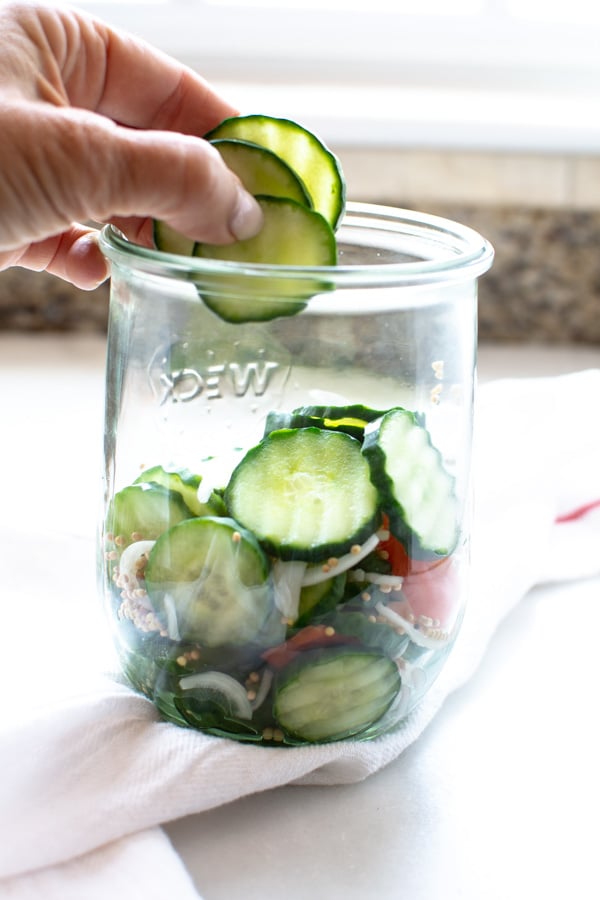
point(578, 513)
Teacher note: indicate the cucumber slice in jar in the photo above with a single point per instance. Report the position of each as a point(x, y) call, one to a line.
point(328, 695)
point(417, 492)
point(143, 512)
point(320, 598)
point(349, 419)
point(318, 168)
point(292, 235)
point(208, 577)
point(183, 482)
point(261, 171)
point(305, 493)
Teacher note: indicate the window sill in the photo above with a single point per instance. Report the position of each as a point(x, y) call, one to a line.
point(409, 145)
point(352, 115)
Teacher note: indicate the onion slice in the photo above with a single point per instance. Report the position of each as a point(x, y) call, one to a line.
point(129, 563)
point(223, 684)
point(287, 583)
point(317, 574)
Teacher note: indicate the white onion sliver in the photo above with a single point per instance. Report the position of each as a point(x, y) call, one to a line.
point(360, 576)
point(172, 625)
point(224, 684)
point(315, 574)
point(393, 581)
point(128, 563)
point(287, 582)
point(416, 636)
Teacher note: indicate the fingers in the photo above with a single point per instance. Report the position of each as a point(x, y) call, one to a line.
point(74, 256)
point(59, 166)
point(124, 78)
point(184, 181)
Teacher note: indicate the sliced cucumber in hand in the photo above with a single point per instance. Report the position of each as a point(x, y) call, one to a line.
point(168, 240)
point(299, 184)
point(292, 235)
point(311, 160)
point(261, 171)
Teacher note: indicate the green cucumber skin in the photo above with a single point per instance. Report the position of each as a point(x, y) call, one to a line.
point(353, 411)
point(416, 545)
point(332, 694)
point(285, 137)
point(271, 460)
point(238, 311)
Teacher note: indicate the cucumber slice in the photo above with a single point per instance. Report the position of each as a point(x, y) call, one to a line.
point(351, 419)
point(208, 576)
point(261, 171)
point(305, 493)
point(168, 240)
point(328, 695)
point(292, 235)
point(183, 482)
point(144, 512)
point(276, 420)
point(417, 492)
point(317, 599)
point(317, 167)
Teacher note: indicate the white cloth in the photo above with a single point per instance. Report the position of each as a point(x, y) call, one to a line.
point(88, 771)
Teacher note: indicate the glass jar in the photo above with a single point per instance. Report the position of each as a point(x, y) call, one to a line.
point(285, 535)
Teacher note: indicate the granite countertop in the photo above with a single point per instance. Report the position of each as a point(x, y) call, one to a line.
point(544, 285)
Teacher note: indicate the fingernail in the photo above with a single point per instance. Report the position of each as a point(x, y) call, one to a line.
point(247, 218)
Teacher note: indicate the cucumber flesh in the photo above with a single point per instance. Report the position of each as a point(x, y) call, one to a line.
point(261, 171)
point(168, 240)
point(333, 694)
point(292, 235)
point(318, 168)
point(182, 481)
point(287, 490)
point(210, 577)
point(417, 492)
point(143, 512)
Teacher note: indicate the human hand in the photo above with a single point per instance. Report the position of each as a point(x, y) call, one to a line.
point(98, 126)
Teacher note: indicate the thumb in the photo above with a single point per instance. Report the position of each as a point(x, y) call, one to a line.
point(63, 165)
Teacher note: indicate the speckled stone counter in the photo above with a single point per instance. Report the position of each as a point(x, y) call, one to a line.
point(544, 285)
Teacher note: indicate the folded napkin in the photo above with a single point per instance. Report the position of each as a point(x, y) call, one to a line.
point(88, 771)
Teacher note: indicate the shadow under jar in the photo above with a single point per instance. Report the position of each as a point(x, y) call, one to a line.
point(285, 535)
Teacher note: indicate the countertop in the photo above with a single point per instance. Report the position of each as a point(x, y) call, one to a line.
point(498, 798)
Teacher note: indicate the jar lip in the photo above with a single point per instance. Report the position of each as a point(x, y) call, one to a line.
point(468, 254)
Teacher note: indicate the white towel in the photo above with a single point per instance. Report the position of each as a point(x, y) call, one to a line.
point(88, 771)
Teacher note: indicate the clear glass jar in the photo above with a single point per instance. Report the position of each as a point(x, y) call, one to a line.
point(285, 537)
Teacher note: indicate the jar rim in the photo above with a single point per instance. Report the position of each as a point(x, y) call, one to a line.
point(467, 253)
